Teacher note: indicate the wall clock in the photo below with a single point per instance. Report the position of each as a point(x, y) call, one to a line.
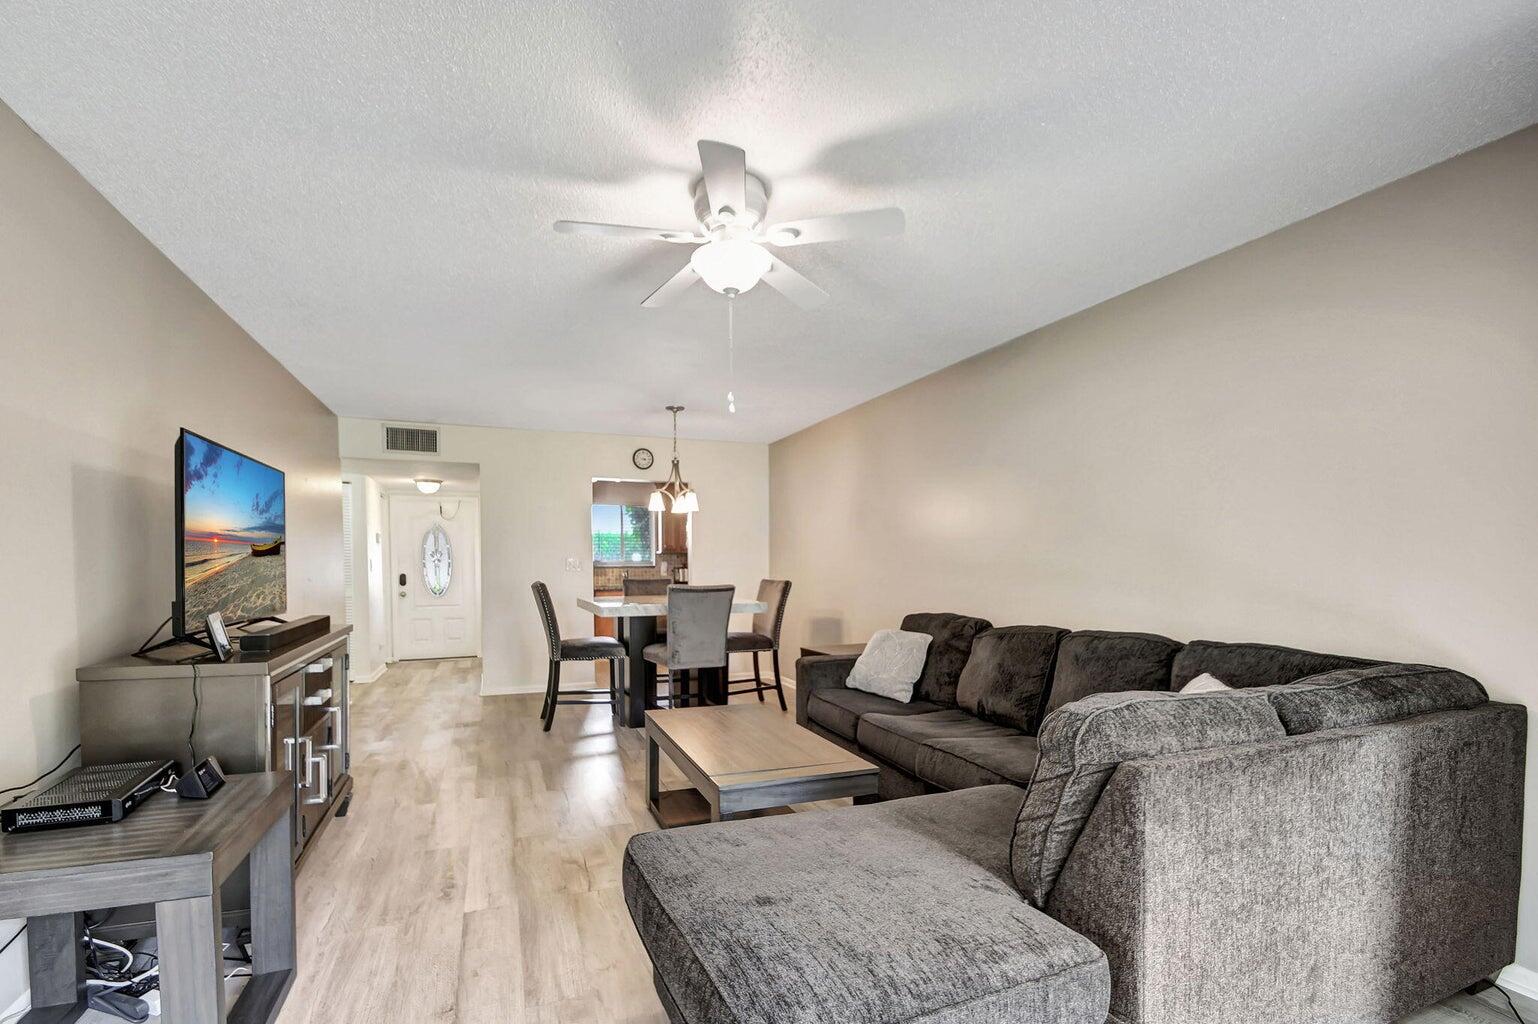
point(643, 458)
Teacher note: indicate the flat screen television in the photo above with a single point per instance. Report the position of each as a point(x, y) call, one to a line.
point(231, 551)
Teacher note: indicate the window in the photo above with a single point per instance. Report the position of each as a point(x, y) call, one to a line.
point(623, 535)
point(437, 560)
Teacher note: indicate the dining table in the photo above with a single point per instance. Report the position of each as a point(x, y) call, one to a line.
point(635, 619)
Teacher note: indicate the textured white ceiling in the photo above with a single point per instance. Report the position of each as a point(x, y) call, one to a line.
point(368, 188)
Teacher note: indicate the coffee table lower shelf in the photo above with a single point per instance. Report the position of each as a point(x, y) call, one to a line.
point(677, 807)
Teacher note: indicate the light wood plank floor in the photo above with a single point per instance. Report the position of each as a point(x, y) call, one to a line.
point(476, 878)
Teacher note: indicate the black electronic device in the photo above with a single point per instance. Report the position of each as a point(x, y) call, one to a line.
point(92, 795)
point(285, 634)
point(202, 782)
point(231, 537)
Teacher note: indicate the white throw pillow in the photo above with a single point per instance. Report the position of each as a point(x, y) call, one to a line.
point(1205, 683)
point(891, 664)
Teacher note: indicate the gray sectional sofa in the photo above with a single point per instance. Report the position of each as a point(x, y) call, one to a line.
point(1336, 840)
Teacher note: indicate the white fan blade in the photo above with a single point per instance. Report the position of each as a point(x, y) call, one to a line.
point(836, 228)
point(672, 287)
point(794, 287)
point(584, 227)
point(726, 177)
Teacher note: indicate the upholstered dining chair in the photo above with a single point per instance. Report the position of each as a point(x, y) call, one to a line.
point(698, 619)
point(764, 636)
point(586, 648)
point(649, 588)
point(646, 587)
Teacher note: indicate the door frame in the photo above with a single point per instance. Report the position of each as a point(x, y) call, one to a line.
point(387, 555)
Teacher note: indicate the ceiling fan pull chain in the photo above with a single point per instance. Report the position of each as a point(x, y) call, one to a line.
point(731, 355)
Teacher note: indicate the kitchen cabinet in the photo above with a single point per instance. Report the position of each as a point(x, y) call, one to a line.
point(675, 532)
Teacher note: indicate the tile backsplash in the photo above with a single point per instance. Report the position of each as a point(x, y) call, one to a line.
point(606, 577)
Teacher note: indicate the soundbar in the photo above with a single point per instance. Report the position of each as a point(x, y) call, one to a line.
point(93, 795)
point(285, 634)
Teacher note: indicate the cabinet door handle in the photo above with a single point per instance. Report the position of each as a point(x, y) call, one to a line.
point(288, 752)
point(315, 668)
point(325, 780)
point(309, 763)
point(318, 698)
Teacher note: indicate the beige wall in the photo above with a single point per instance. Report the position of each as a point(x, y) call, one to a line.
point(1327, 438)
point(536, 497)
point(105, 350)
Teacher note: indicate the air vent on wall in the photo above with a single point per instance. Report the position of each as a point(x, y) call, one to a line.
point(421, 440)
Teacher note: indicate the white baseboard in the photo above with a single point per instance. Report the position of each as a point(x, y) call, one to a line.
point(22, 1004)
point(379, 670)
point(1519, 979)
point(508, 691)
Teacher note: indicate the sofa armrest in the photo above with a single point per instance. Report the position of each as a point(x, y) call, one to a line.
point(819, 672)
point(1348, 874)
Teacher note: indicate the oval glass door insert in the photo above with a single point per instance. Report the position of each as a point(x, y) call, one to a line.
point(437, 560)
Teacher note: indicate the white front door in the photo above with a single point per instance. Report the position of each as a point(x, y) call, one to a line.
point(435, 576)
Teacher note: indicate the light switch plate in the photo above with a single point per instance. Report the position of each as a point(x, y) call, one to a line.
point(574, 565)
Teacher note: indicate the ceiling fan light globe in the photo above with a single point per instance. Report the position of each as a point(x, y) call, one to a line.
point(731, 264)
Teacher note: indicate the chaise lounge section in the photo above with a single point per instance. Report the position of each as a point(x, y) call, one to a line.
point(1337, 839)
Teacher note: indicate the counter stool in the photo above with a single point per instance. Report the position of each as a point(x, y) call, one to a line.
point(765, 636)
point(587, 648)
point(698, 618)
point(649, 588)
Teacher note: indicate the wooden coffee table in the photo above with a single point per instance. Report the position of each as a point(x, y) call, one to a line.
point(744, 759)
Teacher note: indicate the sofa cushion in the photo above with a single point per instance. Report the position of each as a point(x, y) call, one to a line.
point(890, 664)
point(838, 709)
point(1007, 673)
point(1254, 664)
point(1371, 696)
point(947, 655)
point(1082, 744)
point(1097, 661)
point(901, 911)
point(896, 738)
point(977, 761)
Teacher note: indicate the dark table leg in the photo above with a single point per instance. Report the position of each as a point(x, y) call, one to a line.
point(56, 960)
point(713, 685)
point(274, 962)
point(636, 632)
point(191, 962)
point(272, 900)
point(653, 771)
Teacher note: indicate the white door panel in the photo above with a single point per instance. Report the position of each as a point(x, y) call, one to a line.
point(428, 624)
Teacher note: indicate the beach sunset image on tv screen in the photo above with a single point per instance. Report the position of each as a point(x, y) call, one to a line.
point(234, 559)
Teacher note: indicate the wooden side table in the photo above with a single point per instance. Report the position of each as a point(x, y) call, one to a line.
point(841, 650)
point(173, 853)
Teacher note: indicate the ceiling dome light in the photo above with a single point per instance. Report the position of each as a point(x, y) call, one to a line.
point(731, 265)
point(427, 486)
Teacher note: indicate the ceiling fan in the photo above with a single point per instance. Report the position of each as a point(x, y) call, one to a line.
point(731, 257)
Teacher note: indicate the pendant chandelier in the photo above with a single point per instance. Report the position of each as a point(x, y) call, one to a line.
point(675, 495)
